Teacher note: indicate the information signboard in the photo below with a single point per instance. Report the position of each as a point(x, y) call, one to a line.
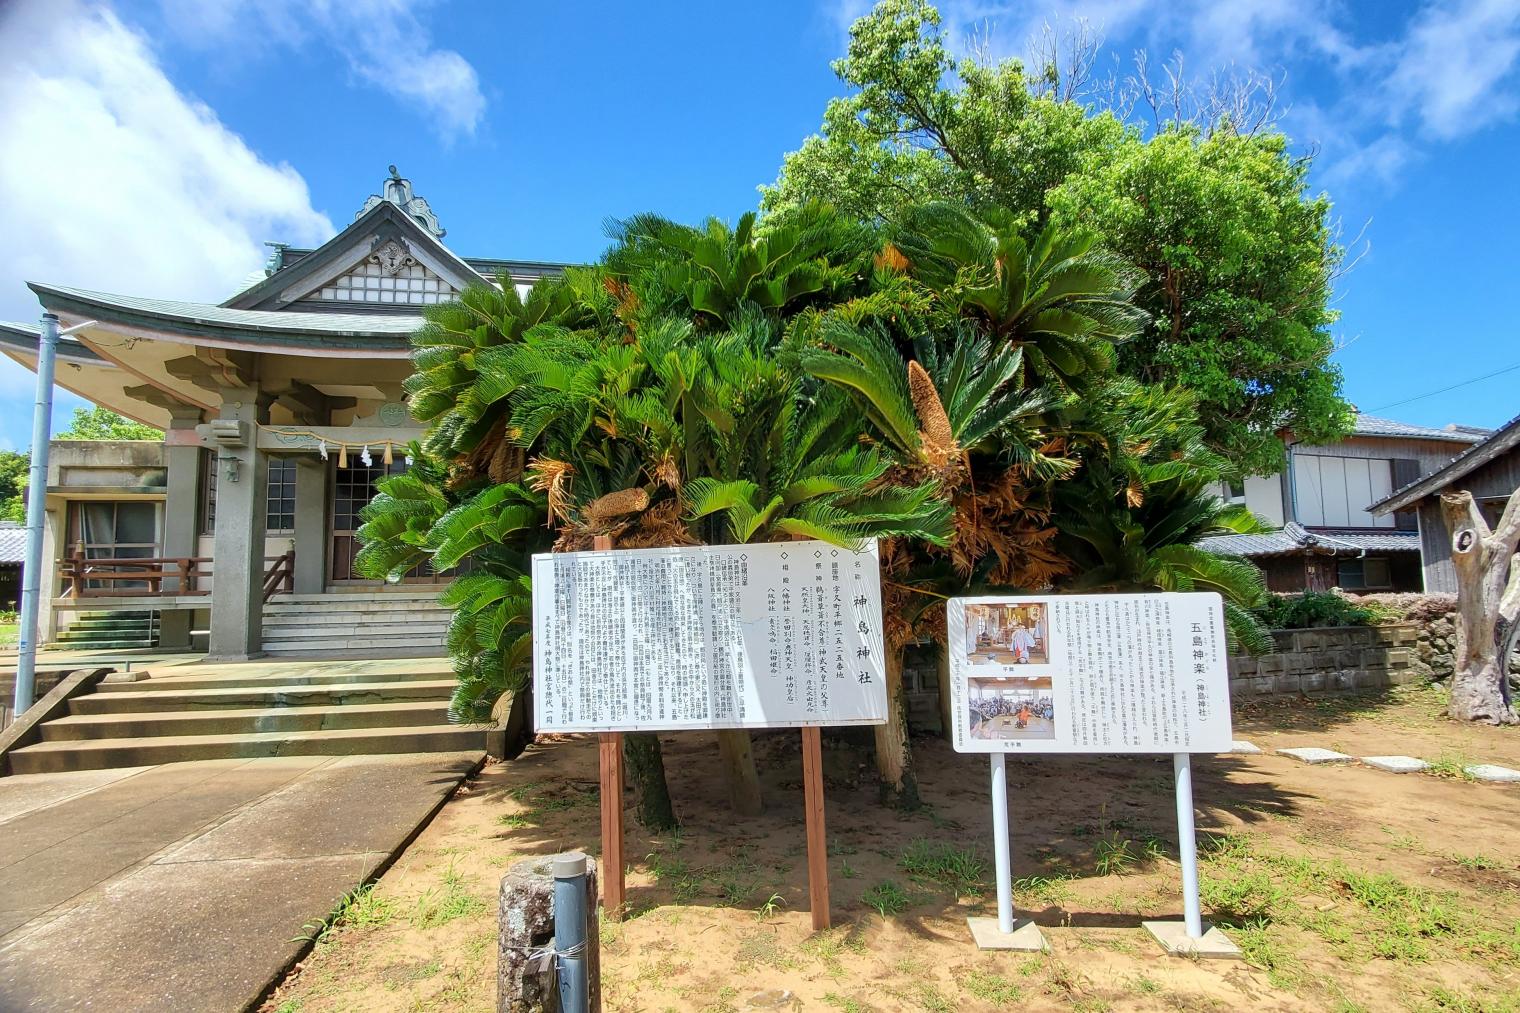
point(1107, 673)
point(783, 634)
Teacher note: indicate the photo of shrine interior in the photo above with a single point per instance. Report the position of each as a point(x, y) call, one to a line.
point(1013, 708)
point(1007, 634)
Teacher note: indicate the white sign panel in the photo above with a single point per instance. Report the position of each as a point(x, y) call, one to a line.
point(1091, 673)
point(781, 634)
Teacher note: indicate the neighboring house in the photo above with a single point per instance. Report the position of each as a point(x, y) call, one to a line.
point(1490, 470)
point(282, 408)
point(12, 552)
point(1324, 533)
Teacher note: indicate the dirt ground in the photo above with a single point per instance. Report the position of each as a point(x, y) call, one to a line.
point(1348, 888)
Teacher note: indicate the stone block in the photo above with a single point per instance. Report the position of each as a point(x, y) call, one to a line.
point(1262, 685)
point(1309, 640)
point(1373, 657)
point(1396, 764)
point(1212, 944)
point(1493, 773)
point(1244, 748)
point(1026, 936)
point(526, 922)
point(1290, 682)
point(1314, 682)
point(1341, 680)
point(1270, 664)
point(1370, 680)
point(1244, 665)
point(1315, 755)
point(1400, 656)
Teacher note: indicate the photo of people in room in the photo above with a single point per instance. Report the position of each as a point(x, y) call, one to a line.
point(1012, 708)
point(1008, 634)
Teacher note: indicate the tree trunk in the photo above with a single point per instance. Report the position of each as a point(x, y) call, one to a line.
point(739, 771)
point(646, 770)
point(946, 702)
point(894, 753)
point(1486, 584)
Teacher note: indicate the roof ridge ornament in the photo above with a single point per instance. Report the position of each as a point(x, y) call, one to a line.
point(398, 190)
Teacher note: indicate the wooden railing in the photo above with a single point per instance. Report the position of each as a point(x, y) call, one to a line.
point(79, 572)
point(281, 577)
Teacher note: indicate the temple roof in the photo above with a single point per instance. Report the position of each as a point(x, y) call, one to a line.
point(398, 190)
point(227, 326)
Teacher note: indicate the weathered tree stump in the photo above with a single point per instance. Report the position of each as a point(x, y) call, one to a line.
point(1488, 605)
point(526, 922)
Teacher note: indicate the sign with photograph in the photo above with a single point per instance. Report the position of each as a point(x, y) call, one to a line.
point(1092, 673)
point(783, 634)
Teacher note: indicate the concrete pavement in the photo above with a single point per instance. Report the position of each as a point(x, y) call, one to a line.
point(184, 886)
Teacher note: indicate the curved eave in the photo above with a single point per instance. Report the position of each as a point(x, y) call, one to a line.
point(84, 374)
point(315, 334)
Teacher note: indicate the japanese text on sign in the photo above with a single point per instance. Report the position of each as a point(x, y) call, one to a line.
point(1115, 673)
point(725, 636)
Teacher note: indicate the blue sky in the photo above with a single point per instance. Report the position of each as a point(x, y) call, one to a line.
point(152, 146)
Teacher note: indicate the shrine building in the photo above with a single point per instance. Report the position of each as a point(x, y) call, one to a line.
point(281, 408)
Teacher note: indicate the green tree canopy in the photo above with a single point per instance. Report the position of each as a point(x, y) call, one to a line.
point(99, 423)
point(1237, 256)
point(14, 465)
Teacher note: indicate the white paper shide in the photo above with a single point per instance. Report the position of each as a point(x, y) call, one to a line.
point(1104, 673)
point(782, 634)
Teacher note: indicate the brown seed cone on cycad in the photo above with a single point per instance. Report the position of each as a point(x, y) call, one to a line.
point(936, 437)
point(602, 510)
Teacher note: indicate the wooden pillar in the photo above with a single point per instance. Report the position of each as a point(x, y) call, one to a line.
point(610, 763)
point(817, 837)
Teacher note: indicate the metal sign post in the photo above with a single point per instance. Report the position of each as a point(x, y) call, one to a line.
point(1007, 934)
point(1192, 938)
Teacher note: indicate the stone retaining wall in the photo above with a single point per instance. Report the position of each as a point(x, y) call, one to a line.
point(1339, 658)
point(1435, 617)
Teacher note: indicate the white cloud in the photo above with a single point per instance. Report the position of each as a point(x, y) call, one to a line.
point(110, 178)
point(1455, 61)
point(384, 43)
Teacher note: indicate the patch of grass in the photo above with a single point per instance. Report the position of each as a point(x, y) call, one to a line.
point(1145, 986)
point(827, 946)
point(945, 865)
point(1113, 854)
point(1046, 890)
point(993, 988)
point(844, 1002)
point(930, 998)
point(675, 873)
point(886, 898)
point(761, 947)
point(1451, 765)
point(1477, 863)
point(359, 909)
point(289, 1006)
point(448, 903)
point(847, 870)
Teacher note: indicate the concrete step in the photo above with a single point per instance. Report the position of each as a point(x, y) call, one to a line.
point(119, 633)
point(374, 612)
point(117, 614)
point(101, 645)
point(154, 724)
point(382, 632)
point(168, 681)
point(281, 619)
point(112, 624)
point(277, 695)
point(356, 598)
point(48, 757)
point(399, 642)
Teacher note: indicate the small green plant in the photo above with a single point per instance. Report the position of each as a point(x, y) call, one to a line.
point(1314, 609)
point(1146, 986)
point(359, 908)
point(886, 898)
point(844, 1002)
point(1113, 854)
point(1478, 862)
point(847, 870)
point(1043, 889)
point(768, 910)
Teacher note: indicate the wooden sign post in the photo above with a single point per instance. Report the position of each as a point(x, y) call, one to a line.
point(610, 750)
point(817, 839)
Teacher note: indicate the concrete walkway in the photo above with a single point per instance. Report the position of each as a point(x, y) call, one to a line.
point(184, 886)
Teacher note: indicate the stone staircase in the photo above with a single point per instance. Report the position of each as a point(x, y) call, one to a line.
point(113, 631)
point(288, 708)
point(395, 622)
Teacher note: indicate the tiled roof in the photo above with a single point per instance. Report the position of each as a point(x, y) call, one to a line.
point(1292, 539)
point(1497, 443)
point(1371, 425)
point(280, 321)
point(12, 543)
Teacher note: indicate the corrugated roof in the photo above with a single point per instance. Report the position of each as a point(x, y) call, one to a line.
point(1293, 539)
point(1496, 443)
point(12, 543)
point(1372, 425)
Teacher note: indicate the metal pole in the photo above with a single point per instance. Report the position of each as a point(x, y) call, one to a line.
point(1000, 844)
point(570, 931)
point(36, 509)
point(1187, 844)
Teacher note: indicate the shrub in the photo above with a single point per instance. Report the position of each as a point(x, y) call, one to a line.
point(1313, 609)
